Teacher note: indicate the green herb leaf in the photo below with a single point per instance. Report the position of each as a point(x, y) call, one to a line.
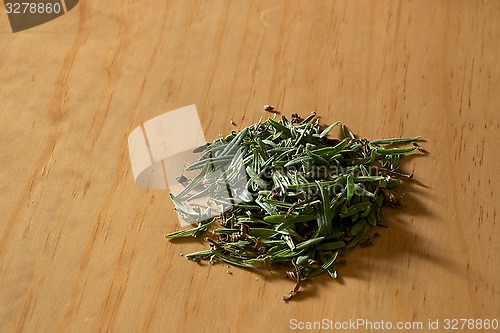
point(328, 129)
point(189, 232)
point(395, 140)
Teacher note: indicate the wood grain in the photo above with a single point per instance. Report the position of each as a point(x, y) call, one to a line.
point(82, 247)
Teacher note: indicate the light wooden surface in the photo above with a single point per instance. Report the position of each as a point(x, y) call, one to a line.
point(82, 247)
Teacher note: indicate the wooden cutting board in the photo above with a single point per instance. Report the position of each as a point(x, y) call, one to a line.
point(82, 246)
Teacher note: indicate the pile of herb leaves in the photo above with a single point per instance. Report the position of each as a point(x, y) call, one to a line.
point(301, 200)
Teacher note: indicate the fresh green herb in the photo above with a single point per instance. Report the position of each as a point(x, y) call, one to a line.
point(301, 199)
